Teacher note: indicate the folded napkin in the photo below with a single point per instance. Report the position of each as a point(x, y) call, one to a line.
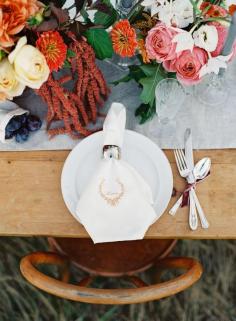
point(116, 205)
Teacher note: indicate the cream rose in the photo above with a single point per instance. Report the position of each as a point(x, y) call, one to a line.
point(9, 85)
point(29, 63)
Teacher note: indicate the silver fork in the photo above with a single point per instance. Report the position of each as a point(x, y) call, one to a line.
point(185, 172)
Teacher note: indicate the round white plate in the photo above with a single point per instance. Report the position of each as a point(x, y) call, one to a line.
point(139, 151)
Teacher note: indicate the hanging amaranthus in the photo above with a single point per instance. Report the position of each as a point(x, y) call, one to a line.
point(77, 107)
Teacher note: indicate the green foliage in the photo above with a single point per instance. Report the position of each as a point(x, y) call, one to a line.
point(153, 75)
point(145, 112)
point(106, 19)
point(70, 54)
point(135, 72)
point(147, 76)
point(67, 64)
point(2, 54)
point(100, 40)
point(32, 21)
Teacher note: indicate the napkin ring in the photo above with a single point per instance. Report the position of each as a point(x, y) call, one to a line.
point(111, 151)
point(112, 199)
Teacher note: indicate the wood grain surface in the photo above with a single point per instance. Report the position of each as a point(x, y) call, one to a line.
point(31, 202)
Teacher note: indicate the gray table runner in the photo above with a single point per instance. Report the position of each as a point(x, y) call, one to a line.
point(212, 127)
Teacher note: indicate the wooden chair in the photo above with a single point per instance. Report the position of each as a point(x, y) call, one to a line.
point(120, 259)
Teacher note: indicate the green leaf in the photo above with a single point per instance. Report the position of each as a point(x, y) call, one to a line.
point(35, 21)
point(66, 64)
point(149, 85)
point(126, 78)
point(106, 20)
point(135, 72)
point(100, 40)
point(145, 112)
point(106, 17)
point(149, 70)
point(2, 54)
point(70, 54)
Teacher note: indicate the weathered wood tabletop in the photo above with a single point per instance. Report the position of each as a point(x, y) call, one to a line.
point(31, 202)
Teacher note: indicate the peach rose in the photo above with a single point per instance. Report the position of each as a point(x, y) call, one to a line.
point(159, 43)
point(13, 17)
point(169, 65)
point(222, 34)
point(189, 64)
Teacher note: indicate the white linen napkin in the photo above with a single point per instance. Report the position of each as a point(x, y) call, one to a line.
point(116, 205)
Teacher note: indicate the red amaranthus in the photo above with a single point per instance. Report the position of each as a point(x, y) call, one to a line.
point(77, 107)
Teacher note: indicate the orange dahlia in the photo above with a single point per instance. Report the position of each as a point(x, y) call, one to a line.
point(124, 39)
point(52, 46)
point(13, 17)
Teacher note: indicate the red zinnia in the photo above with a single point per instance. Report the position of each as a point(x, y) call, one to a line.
point(52, 46)
point(124, 39)
point(213, 10)
point(232, 9)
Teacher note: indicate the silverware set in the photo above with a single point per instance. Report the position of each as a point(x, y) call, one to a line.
point(192, 174)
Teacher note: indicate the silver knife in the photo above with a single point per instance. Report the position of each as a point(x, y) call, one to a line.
point(188, 148)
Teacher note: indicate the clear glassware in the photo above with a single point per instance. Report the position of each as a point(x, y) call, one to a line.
point(124, 8)
point(170, 97)
point(213, 89)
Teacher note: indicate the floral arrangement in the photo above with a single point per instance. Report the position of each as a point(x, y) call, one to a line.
point(52, 46)
point(44, 48)
point(173, 38)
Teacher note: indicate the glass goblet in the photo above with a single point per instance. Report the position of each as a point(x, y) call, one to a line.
point(213, 90)
point(170, 96)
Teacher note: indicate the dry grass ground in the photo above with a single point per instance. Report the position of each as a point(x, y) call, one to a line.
point(213, 298)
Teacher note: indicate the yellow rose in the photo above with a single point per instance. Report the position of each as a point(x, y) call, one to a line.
point(29, 63)
point(9, 85)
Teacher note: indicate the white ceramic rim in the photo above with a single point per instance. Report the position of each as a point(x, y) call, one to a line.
point(159, 159)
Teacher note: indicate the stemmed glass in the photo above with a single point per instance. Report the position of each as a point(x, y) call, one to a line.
point(124, 8)
point(170, 96)
point(213, 89)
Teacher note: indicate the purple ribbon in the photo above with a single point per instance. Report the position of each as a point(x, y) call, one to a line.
point(185, 200)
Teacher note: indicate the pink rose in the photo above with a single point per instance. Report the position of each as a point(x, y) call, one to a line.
point(169, 65)
point(159, 43)
point(188, 65)
point(222, 34)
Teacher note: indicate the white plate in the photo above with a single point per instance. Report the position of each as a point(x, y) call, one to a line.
point(139, 151)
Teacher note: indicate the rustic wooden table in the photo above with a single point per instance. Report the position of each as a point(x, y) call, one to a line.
point(31, 202)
